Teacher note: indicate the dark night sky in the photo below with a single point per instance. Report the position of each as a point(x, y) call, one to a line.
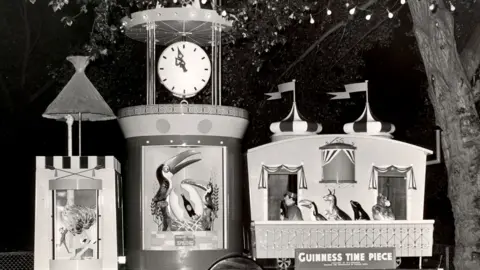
point(395, 97)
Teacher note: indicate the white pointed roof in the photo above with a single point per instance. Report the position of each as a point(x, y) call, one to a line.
point(295, 124)
point(368, 124)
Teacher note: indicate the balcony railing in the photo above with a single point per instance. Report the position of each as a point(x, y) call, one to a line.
point(279, 239)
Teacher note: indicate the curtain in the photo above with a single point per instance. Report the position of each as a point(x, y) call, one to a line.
point(400, 169)
point(329, 154)
point(350, 154)
point(262, 183)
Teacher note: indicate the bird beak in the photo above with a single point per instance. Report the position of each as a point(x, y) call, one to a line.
point(178, 162)
point(193, 183)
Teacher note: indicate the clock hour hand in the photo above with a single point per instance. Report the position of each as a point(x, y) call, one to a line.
point(179, 62)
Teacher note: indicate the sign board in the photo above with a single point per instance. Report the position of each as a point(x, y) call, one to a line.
point(185, 240)
point(345, 258)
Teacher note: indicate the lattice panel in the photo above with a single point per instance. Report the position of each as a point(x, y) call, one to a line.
point(280, 240)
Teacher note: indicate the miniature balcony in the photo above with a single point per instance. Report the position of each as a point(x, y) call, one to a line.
point(279, 239)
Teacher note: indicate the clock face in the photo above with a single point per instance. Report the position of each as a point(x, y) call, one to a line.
point(184, 69)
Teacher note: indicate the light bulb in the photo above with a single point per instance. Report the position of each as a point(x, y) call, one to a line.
point(329, 12)
point(402, 2)
point(432, 6)
point(352, 11)
point(347, 4)
point(312, 21)
point(204, 2)
point(224, 13)
point(452, 7)
point(390, 14)
point(368, 17)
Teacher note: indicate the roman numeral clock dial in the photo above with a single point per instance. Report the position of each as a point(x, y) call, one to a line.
point(184, 69)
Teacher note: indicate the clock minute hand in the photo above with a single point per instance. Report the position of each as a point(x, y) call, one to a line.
point(179, 62)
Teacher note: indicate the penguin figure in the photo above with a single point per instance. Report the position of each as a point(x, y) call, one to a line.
point(188, 207)
point(358, 212)
point(312, 205)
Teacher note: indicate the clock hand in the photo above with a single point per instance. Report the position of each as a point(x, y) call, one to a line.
point(179, 62)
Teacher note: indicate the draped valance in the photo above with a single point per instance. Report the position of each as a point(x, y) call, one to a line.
point(408, 171)
point(262, 183)
point(329, 154)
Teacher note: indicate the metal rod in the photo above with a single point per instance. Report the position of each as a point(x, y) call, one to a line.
point(79, 134)
point(213, 66)
point(220, 64)
point(151, 78)
point(70, 120)
point(70, 192)
point(149, 72)
point(216, 66)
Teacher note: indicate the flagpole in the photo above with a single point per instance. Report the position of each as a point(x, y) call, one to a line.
point(294, 98)
point(366, 91)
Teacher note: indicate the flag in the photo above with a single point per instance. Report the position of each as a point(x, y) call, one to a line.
point(350, 88)
point(274, 95)
point(286, 87)
point(282, 88)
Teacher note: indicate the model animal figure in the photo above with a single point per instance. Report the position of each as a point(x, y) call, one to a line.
point(334, 212)
point(382, 210)
point(160, 208)
point(209, 206)
point(77, 220)
point(292, 211)
point(358, 212)
point(313, 206)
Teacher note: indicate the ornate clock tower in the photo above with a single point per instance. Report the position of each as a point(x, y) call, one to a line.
point(183, 189)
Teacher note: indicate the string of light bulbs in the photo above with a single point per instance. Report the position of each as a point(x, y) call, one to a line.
point(433, 5)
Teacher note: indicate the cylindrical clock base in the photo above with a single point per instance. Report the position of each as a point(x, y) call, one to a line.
point(204, 209)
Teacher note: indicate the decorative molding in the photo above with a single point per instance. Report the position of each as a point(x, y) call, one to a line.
point(182, 109)
point(279, 240)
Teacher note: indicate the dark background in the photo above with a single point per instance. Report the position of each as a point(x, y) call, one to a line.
point(397, 94)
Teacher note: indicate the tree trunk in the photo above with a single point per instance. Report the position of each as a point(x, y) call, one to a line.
point(453, 101)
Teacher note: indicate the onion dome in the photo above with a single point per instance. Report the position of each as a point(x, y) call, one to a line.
point(294, 125)
point(368, 124)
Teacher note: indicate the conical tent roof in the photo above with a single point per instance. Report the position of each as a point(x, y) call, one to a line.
point(79, 96)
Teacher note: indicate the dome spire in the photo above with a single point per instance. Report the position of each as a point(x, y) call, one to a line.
point(295, 124)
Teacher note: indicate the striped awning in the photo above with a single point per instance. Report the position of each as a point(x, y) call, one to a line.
point(370, 125)
point(295, 124)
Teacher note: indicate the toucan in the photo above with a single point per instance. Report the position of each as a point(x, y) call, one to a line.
point(165, 172)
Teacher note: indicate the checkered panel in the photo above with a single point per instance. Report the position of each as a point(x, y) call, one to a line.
point(78, 162)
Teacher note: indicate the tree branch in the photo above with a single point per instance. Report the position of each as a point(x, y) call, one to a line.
point(358, 41)
point(28, 33)
point(41, 91)
point(470, 58)
point(310, 49)
point(319, 40)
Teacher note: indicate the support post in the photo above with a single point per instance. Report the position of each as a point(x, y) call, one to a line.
point(151, 75)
